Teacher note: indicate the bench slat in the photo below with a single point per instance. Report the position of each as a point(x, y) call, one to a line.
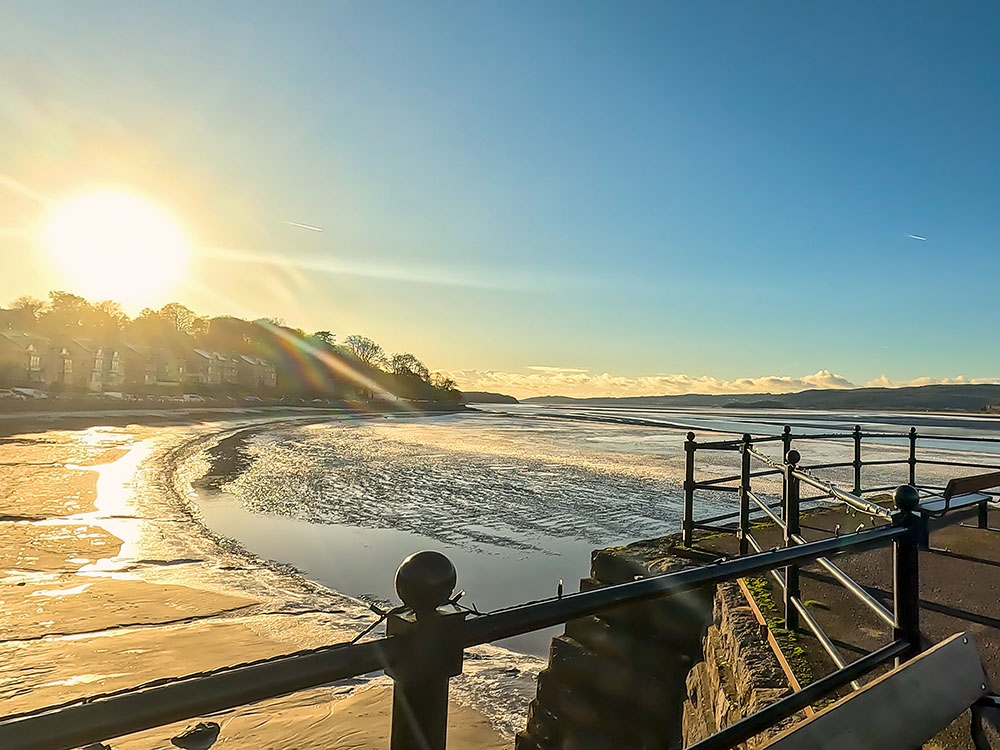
point(965, 485)
point(937, 503)
point(901, 709)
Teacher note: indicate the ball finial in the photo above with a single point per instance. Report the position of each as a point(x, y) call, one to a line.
point(857, 428)
point(747, 438)
point(425, 580)
point(786, 429)
point(690, 436)
point(907, 498)
point(913, 430)
point(793, 457)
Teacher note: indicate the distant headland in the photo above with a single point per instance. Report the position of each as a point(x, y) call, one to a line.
point(962, 398)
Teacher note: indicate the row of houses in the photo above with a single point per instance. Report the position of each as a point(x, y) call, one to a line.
point(82, 364)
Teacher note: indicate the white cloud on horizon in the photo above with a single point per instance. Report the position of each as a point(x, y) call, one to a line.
point(883, 382)
point(545, 381)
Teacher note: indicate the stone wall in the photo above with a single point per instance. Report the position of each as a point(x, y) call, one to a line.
point(738, 674)
point(635, 677)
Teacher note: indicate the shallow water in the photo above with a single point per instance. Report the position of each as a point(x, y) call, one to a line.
point(518, 497)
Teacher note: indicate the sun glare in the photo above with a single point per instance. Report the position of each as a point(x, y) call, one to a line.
point(114, 245)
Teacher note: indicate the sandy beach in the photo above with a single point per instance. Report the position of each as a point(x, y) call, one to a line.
point(109, 581)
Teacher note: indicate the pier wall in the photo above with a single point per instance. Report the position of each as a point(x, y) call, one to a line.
point(658, 675)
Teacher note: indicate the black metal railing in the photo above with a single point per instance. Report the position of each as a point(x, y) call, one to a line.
point(424, 648)
point(748, 447)
point(425, 639)
point(793, 474)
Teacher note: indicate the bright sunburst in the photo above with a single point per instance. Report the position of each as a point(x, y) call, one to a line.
point(111, 244)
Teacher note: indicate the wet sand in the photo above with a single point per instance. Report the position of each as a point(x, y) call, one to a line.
point(108, 582)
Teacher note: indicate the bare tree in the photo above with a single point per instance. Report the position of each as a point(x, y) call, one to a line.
point(32, 304)
point(442, 382)
point(407, 364)
point(326, 337)
point(112, 316)
point(181, 318)
point(365, 349)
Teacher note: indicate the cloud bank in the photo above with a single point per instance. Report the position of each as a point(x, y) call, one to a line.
point(544, 380)
point(884, 382)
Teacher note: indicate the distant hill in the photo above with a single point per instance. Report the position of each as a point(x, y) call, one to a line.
point(968, 398)
point(485, 397)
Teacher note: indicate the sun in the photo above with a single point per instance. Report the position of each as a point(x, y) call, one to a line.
point(115, 245)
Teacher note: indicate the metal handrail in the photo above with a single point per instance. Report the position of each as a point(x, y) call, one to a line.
point(853, 586)
point(822, 637)
point(774, 464)
point(850, 498)
point(766, 508)
point(96, 720)
point(530, 617)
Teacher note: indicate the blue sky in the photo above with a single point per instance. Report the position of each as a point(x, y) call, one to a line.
point(702, 191)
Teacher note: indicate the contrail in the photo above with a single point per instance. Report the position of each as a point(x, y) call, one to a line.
point(917, 237)
point(310, 227)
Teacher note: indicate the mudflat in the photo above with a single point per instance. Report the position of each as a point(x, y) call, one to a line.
point(103, 588)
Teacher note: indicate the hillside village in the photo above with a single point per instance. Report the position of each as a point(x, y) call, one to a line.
point(69, 347)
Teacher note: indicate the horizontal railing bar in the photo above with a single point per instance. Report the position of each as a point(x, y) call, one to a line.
point(100, 719)
point(721, 517)
point(822, 637)
point(719, 480)
point(963, 438)
point(720, 445)
point(833, 465)
point(881, 489)
point(960, 464)
point(814, 498)
point(765, 473)
point(849, 435)
point(708, 527)
point(529, 617)
point(736, 513)
point(853, 586)
point(822, 436)
point(754, 724)
point(851, 499)
point(886, 462)
point(715, 487)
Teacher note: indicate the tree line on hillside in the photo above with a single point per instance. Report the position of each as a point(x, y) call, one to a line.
point(304, 364)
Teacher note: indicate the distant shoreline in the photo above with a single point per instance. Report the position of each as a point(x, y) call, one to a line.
point(966, 398)
point(14, 422)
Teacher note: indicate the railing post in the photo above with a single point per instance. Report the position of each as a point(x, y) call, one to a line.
point(792, 528)
point(857, 459)
point(912, 460)
point(421, 671)
point(745, 495)
point(786, 439)
point(687, 521)
point(906, 572)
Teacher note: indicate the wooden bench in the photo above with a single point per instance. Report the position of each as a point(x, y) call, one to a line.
point(962, 493)
point(906, 707)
